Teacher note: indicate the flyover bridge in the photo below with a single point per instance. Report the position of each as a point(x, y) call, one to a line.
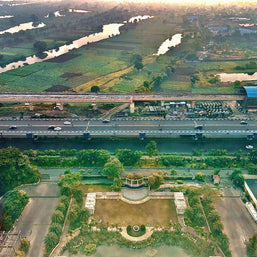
point(128, 127)
point(112, 97)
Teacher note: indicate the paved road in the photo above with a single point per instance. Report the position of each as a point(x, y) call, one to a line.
point(238, 224)
point(36, 217)
point(129, 126)
point(112, 97)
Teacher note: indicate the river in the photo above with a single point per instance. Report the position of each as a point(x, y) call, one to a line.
point(168, 43)
point(23, 26)
point(109, 30)
point(165, 145)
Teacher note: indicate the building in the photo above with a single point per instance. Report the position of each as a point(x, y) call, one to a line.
point(90, 203)
point(251, 97)
point(180, 203)
point(9, 243)
point(216, 179)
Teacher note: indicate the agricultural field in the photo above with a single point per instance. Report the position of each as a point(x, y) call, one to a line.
point(153, 212)
point(108, 63)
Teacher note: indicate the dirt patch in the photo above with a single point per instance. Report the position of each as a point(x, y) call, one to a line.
point(127, 48)
point(185, 71)
point(153, 212)
point(125, 42)
point(57, 88)
point(63, 58)
point(68, 75)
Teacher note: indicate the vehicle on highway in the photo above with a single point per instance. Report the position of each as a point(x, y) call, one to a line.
point(67, 122)
point(13, 127)
point(199, 127)
point(52, 127)
point(243, 122)
point(57, 128)
point(106, 121)
point(249, 147)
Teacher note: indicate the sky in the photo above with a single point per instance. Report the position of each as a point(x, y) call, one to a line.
point(191, 2)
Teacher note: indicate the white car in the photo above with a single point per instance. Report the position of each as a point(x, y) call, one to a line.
point(67, 122)
point(57, 128)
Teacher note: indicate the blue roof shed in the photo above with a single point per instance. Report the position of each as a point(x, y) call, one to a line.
point(251, 92)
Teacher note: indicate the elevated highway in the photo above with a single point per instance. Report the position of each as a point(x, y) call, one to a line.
point(112, 97)
point(128, 127)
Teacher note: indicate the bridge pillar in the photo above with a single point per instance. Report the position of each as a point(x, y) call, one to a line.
point(162, 103)
point(132, 107)
point(29, 135)
point(193, 104)
point(86, 135)
point(141, 136)
point(59, 106)
point(94, 106)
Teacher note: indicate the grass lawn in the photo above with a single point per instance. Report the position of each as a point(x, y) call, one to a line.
point(94, 188)
point(153, 212)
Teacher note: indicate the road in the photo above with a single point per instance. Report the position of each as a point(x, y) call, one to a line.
point(36, 217)
point(238, 224)
point(129, 127)
point(112, 97)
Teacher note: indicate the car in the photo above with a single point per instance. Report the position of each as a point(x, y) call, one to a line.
point(67, 122)
point(106, 121)
point(199, 127)
point(243, 122)
point(57, 128)
point(52, 127)
point(13, 127)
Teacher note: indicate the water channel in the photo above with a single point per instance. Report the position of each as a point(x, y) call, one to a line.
point(168, 43)
point(116, 251)
point(23, 26)
point(109, 30)
point(165, 145)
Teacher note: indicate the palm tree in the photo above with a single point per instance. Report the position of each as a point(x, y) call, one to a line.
point(51, 240)
point(57, 217)
point(56, 228)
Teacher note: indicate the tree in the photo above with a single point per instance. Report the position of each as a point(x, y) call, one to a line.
point(200, 176)
point(151, 149)
point(78, 195)
point(155, 180)
point(61, 207)
point(56, 228)
point(251, 246)
point(40, 46)
point(57, 217)
point(25, 244)
point(238, 178)
point(15, 169)
point(117, 184)
point(90, 248)
point(95, 89)
point(113, 168)
point(128, 157)
point(253, 156)
point(139, 65)
point(51, 240)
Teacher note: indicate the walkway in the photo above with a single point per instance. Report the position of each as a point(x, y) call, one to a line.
point(64, 238)
point(148, 233)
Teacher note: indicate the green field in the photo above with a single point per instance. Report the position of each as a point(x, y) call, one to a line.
point(153, 212)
